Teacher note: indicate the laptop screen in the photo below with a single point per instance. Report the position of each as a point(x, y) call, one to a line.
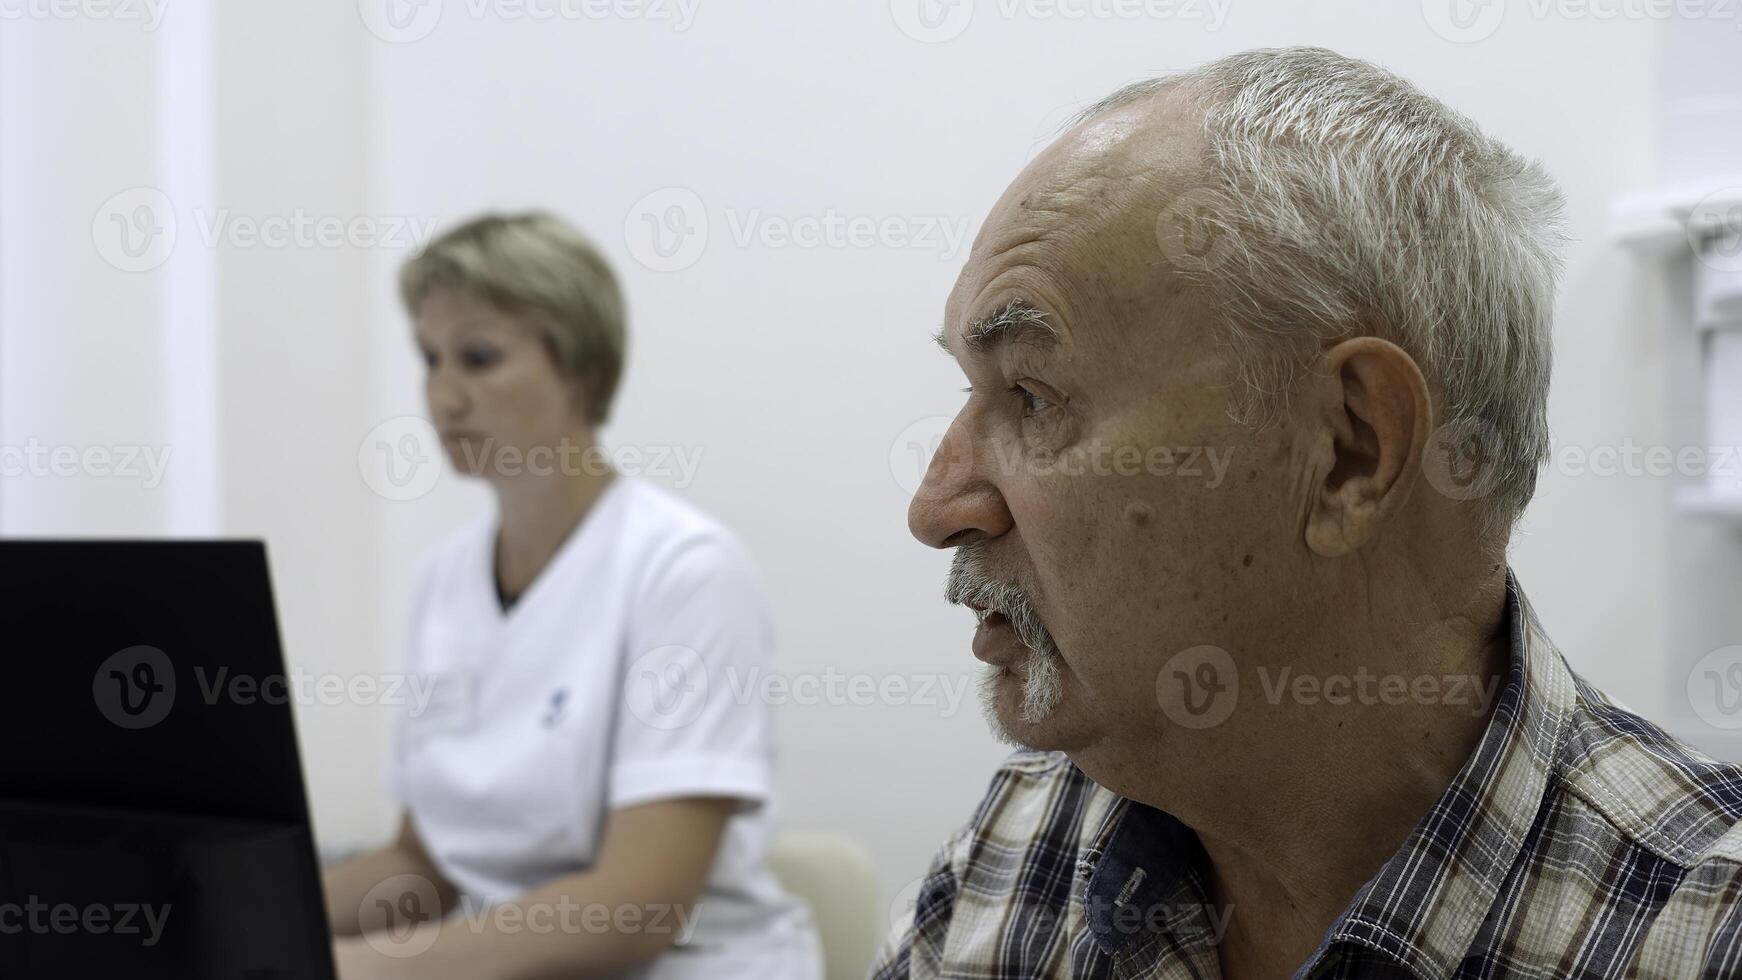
point(152, 813)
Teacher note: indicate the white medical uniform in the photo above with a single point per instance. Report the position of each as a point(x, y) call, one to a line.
point(624, 674)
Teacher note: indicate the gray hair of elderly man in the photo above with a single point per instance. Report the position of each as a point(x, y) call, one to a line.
point(1342, 200)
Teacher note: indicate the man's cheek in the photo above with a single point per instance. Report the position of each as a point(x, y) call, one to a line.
point(1042, 501)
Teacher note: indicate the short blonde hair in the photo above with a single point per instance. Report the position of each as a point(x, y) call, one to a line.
point(537, 265)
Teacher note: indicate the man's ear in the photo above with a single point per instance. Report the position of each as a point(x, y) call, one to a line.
point(1376, 417)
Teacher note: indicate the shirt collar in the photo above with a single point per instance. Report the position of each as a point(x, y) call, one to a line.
point(1425, 904)
point(1140, 856)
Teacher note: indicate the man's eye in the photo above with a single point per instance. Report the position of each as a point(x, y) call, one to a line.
point(1032, 403)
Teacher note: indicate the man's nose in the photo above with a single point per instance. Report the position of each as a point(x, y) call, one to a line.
point(957, 502)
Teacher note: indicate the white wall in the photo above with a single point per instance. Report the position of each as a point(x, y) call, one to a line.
point(798, 373)
point(1701, 140)
point(79, 340)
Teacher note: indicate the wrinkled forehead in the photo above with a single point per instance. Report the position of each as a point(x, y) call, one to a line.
point(1075, 232)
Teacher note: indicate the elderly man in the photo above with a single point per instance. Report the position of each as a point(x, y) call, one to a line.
point(1302, 720)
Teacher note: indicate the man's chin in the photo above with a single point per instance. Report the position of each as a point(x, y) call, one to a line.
point(1001, 701)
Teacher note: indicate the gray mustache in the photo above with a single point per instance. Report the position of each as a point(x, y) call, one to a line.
point(971, 582)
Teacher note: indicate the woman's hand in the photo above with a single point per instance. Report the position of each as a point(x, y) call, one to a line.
point(352, 886)
point(654, 861)
point(375, 957)
point(355, 959)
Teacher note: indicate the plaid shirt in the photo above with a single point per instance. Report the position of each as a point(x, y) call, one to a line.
point(1579, 840)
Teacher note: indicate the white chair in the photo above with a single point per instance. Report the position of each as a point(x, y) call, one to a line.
point(834, 876)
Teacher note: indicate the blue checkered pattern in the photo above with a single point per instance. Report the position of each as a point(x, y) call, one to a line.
point(1578, 841)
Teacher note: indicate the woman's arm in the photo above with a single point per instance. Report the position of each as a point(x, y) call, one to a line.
point(347, 884)
point(633, 903)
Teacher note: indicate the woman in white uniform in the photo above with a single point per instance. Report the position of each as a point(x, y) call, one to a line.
point(584, 792)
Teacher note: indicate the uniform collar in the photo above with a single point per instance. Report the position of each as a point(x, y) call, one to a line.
point(1424, 906)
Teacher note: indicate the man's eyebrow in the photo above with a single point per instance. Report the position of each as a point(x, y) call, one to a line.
point(1016, 321)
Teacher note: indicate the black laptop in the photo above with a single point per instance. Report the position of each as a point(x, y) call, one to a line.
point(152, 815)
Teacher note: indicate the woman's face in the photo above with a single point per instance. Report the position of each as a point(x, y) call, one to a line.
point(496, 396)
